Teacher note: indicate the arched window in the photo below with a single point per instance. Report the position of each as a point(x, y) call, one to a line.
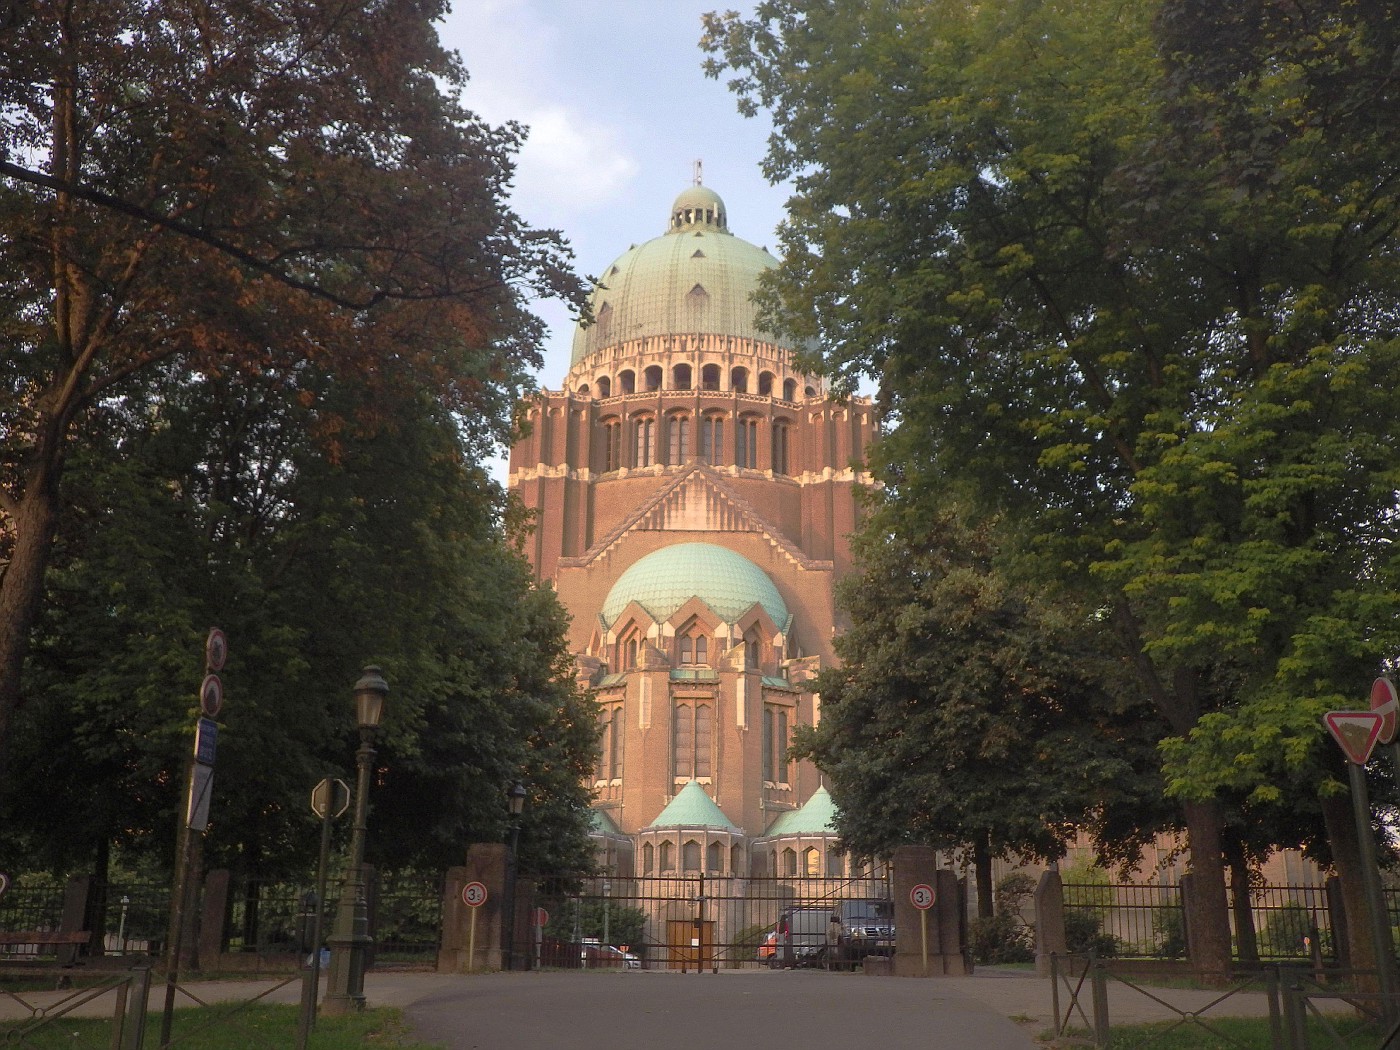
point(692, 644)
point(668, 857)
point(678, 440)
point(612, 445)
point(835, 864)
point(691, 738)
point(652, 377)
point(690, 855)
point(775, 744)
point(736, 859)
point(812, 861)
point(780, 447)
point(648, 857)
point(765, 384)
point(680, 377)
point(712, 440)
point(627, 652)
point(610, 743)
point(789, 862)
point(583, 390)
point(789, 389)
point(809, 392)
point(746, 443)
point(753, 649)
point(709, 377)
point(712, 857)
point(644, 429)
point(627, 382)
point(739, 380)
point(604, 385)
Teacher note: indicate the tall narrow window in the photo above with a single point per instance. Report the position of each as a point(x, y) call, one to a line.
point(678, 440)
point(668, 857)
point(702, 650)
point(780, 448)
point(712, 440)
point(713, 857)
point(684, 757)
point(709, 377)
point(686, 644)
point(746, 443)
point(615, 744)
point(781, 746)
point(769, 725)
point(648, 857)
point(775, 744)
point(612, 445)
point(646, 442)
point(789, 390)
point(690, 856)
point(692, 738)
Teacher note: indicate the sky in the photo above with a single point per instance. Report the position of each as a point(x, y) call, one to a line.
point(619, 111)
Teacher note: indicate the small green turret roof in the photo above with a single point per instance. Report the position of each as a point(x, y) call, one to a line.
point(817, 817)
point(692, 808)
point(602, 824)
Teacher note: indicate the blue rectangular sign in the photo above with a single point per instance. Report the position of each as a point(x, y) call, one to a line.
point(206, 740)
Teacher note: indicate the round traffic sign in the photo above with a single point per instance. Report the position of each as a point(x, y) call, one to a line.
point(211, 695)
point(474, 895)
point(542, 919)
point(1386, 704)
point(921, 896)
point(215, 650)
point(4, 883)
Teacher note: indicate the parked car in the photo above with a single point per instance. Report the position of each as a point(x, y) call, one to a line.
point(596, 955)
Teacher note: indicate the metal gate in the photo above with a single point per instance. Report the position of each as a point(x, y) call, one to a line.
point(685, 922)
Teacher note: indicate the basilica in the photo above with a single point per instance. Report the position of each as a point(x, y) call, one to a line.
point(693, 492)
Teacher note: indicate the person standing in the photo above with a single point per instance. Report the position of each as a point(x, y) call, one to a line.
point(833, 943)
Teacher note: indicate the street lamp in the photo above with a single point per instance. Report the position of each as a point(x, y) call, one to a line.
point(350, 943)
point(515, 799)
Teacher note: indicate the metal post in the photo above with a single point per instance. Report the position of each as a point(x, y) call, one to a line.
point(1099, 989)
point(351, 941)
point(1375, 895)
point(607, 893)
point(121, 925)
point(512, 874)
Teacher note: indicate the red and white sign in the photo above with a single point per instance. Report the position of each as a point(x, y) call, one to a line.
point(542, 919)
point(215, 650)
point(473, 895)
point(921, 896)
point(1386, 703)
point(1356, 731)
point(211, 695)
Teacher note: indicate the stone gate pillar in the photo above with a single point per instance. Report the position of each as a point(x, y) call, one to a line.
point(1049, 920)
point(939, 928)
point(486, 864)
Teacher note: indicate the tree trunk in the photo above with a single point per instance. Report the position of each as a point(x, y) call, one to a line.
point(22, 589)
point(1241, 904)
point(1346, 858)
point(1208, 920)
point(982, 865)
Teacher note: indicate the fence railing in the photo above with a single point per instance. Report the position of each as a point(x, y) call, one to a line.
point(1130, 920)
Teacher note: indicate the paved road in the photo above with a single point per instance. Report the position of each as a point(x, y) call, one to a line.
point(642, 1010)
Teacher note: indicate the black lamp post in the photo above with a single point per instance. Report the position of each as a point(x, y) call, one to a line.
point(350, 943)
point(516, 800)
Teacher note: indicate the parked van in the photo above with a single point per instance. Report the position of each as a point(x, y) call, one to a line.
point(867, 928)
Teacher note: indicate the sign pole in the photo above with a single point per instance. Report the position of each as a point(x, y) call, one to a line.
point(923, 936)
point(1375, 895)
point(471, 944)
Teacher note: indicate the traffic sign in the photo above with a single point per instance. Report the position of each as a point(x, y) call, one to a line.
point(330, 795)
point(211, 695)
point(4, 883)
point(215, 650)
point(206, 740)
point(1356, 731)
point(542, 919)
point(474, 895)
point(1385, 702)
point(197, 805)
point(921, 896)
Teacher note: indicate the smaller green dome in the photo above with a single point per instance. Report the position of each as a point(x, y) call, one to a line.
point(665, 580)
point(816, 817)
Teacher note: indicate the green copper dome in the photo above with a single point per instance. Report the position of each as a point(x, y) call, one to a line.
point(665, 580)
point(816, 817)
point(696, 279)
point(692, 808)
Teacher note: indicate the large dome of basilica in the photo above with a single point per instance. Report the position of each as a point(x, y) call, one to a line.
point(696, 278)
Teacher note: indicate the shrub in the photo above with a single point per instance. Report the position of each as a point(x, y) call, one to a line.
point(1084, 933)
point(1001, 939)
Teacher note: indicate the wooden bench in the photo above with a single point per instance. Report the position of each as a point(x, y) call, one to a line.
point(51, 939)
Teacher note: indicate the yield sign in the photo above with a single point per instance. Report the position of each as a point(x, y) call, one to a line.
point(1356, 731)
point(1385, 703)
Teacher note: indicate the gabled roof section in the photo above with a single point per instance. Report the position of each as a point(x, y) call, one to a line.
point(692, 808)
point(602, 824)
point(697, 500)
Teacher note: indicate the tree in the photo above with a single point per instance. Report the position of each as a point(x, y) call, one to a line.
point(240, 186)
point(966, 712)
point(1134, 288)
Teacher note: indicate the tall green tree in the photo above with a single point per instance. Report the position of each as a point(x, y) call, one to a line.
point(237, 186)
point(1127, 275)
point(966, 712)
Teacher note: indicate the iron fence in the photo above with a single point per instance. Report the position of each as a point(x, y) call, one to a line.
point(1149, 921)
point(687, 921)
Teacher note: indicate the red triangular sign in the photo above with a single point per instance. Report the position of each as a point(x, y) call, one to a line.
point(1386, 703)
point(1356, 731)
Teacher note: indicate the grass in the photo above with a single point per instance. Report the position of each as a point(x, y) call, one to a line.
point(226, 1027)
point(1235, 1033)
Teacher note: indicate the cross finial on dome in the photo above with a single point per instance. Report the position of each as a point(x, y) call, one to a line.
point(699, 172)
